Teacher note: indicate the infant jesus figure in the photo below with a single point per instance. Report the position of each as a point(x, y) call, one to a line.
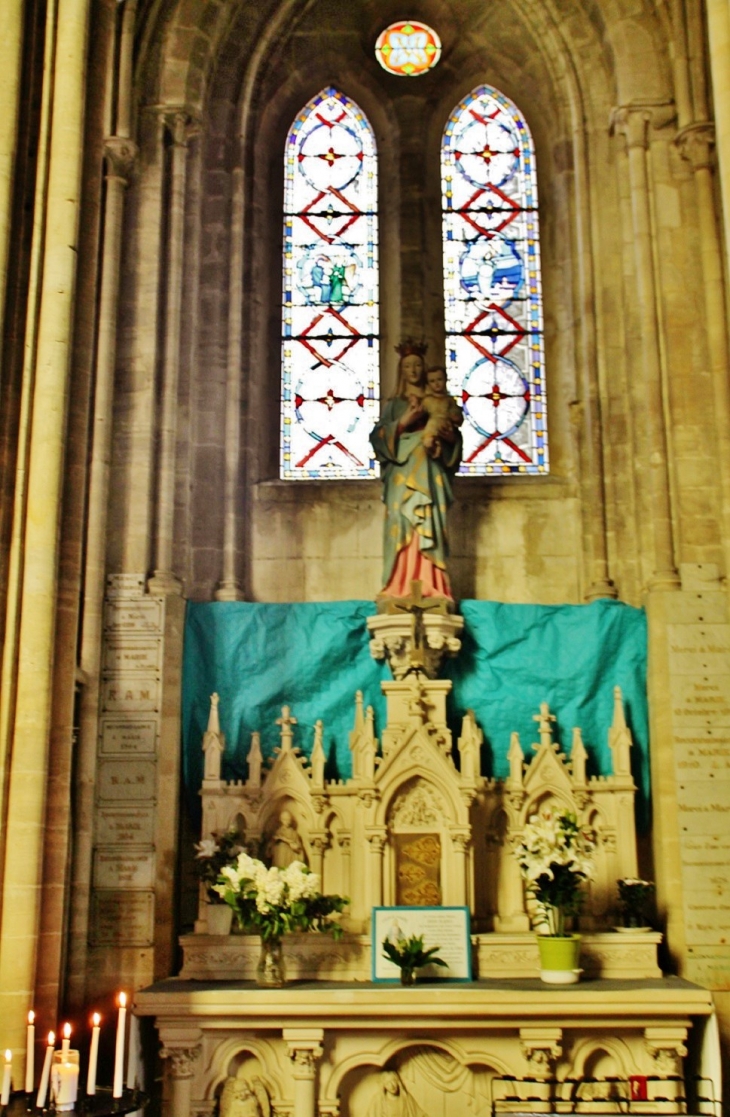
point(444, 413)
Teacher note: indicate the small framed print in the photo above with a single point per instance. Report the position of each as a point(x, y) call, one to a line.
point(448, 928)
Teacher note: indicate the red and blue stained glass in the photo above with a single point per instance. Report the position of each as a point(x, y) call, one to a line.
point(330, 346)
point(492, 288)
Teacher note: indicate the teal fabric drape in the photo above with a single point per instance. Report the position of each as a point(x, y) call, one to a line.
point(314, 656)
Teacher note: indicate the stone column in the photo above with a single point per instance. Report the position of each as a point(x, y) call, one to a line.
point(377, 846)
point(305, 1051)
point(695, 143)
point(229, 588)
point(718, 32)
point(22, 884)
point(667, 1049)
point(120, 155)
point(510, 900)
point(183, 1057)
point(593, 503)
point(633, 123)
point(460, 893)
point(318, 846)
point(11, 60)
point(164, 581)
point(345, 844)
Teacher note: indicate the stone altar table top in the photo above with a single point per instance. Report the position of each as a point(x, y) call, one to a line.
point(487, 1004)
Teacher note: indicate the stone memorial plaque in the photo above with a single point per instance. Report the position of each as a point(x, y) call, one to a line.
point(709, 966)
point(707, 909)
point(130, 693)
point(125, 585)
point(125, 655)
point(127, 779)
point(121, 869)
point(144, 615)
point(708, 851)
point(125, 735)
point(125, 825)
point(701, 701)
point(122, 918)
point(706, 645)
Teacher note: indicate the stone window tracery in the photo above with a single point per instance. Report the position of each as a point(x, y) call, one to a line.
point(492, 286)
point(330, 315)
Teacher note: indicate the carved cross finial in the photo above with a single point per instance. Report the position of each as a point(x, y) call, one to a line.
point(543, 719)
point(286, 721)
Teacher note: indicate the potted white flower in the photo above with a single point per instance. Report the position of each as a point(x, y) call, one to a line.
point(273, 902)
point(556, 859)
point(635, 897)
point(211, 855)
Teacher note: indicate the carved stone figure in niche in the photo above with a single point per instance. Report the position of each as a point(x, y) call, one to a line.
point(392, 1099)
point(241, 1098)
point(416, 485)
point(285, 844)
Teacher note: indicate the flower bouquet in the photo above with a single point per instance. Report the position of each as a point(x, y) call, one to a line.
point(272, 902)
point(635, 897)
point(556, 858)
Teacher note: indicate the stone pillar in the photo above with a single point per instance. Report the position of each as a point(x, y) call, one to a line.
point(120, 155)
point(667, 1049)
point(22, 883)
point(305, 1051)
point(229, 588)
point(182, 1054)
point(718, 33)
point(135, 405)
point(633, 123)
point(377, 846)
point(510, 901)
point(345, 843)
point(695, 144)
point(460, 893)
point(11, 59)
point(163, 580)
point(542, 1047)
point(593, 503)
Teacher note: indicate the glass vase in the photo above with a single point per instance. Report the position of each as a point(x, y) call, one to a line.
point(270, 973)
point(407, 976)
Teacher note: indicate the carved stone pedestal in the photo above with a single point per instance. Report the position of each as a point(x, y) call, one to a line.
point(414, 641)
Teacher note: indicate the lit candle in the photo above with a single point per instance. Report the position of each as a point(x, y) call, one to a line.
point(7, 1072)
point(46, 1073)
point(93, 1055)
point(30, 1054)
point(119, 1050)
point(66, 1040)
point(64, 1080)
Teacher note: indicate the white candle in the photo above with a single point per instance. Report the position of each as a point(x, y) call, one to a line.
point(30, 1054)
point(65, 1080)
point(93, 1055)
point(119, 1050)
point(133, 1056)
point(7, 1072)
point(46, 1072)
point(66, 1040)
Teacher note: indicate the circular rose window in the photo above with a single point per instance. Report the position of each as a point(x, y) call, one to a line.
point(408, 48)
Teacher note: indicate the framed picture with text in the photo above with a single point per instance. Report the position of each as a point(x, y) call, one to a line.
point(448, 928)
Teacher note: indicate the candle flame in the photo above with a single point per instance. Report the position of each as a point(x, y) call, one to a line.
point(67, 1031)
point(96, 1020)
point(51, 1038)
point(8, 1056)
point(31, 1017)
point(122, 1000)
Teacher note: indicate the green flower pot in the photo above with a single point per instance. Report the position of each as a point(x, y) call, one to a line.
point(559, 956)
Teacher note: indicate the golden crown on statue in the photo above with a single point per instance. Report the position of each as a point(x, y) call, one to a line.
point(409, 346)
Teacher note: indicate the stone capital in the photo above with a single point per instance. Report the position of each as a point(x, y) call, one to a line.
point(182, 1059)
point(695, 144)
point(120, 154)
point(667, 1048)
point(305, 1050)
point(542, 1047)
point(635, 121)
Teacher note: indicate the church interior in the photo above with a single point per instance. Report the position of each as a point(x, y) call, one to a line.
point(356, 498)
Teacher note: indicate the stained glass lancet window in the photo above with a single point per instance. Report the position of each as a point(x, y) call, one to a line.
point(492, 289)
point(330, 349)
